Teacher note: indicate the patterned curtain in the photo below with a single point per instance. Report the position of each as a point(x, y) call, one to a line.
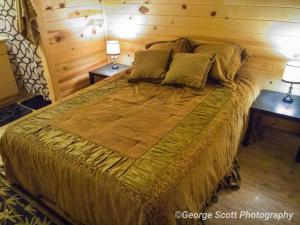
point(26, 21)
point(24, 56)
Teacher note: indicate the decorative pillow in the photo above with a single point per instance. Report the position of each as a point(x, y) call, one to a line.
point(229, 58)
point(150, 66)
point(179, 45)
point(189, 70)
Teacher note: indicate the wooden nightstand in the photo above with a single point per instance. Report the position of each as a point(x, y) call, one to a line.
point(8, 85)
point(106, 71)
point(270, 103)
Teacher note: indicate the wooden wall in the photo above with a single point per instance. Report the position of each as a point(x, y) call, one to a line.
point(73, 40)
point(270, 29)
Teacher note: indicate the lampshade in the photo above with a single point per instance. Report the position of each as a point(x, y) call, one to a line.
point(292, 72)
point(112, 48)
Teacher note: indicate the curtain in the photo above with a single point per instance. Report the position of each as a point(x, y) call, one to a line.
point(27, 21)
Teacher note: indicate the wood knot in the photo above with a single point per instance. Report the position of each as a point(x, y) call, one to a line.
point(155, 28)
point(48, 8)
point(77, 13)
point(58, 39)
point(184, 6)
point(296, 56)
point(144, 9)
point(213, 13)
point(62, 5)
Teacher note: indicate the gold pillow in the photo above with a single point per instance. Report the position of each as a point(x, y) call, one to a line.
point(179, 45)
point(150, 66)
point(229, 58)
point(189, 70)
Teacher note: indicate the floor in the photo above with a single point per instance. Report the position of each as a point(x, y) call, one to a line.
point(270, 181)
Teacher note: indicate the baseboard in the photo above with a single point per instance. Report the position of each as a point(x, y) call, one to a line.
point(8, 100)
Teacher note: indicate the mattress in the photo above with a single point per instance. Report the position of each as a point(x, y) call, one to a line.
point(124, 153)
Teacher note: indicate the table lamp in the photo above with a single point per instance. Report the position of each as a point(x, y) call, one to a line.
point(291, 75)
point(113, 49)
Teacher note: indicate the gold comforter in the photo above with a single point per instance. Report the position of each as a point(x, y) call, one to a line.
point(122, 153)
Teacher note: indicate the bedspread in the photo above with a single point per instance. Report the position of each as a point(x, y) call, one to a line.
point(123, 153)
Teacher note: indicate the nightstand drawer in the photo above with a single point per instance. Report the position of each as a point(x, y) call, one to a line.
point(3, 49)
point(8, 86)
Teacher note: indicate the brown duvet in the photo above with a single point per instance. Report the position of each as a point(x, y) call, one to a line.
point(122, 153)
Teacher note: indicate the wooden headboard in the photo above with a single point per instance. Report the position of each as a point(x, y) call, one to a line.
point(270, 29)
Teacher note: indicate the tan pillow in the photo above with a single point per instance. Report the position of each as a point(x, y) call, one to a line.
point(179, 45)
point(189, 70)
point(150, 66)
point(229, 58)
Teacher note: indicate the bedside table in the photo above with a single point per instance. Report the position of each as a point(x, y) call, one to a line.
point(270, 103)
point(106, 71)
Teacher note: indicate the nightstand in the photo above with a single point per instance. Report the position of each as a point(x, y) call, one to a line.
point(106, 71)
point(270, 103)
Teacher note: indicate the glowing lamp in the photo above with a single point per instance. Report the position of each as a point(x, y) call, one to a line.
point(291, 75)
point(113, 49)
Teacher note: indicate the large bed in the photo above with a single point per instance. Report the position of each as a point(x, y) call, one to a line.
point(125, 153)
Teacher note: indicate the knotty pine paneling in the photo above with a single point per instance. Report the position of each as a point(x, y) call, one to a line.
point(269, 29)
point(267, 3)
point(73, 39)
point(58, 4)
point(221, 11)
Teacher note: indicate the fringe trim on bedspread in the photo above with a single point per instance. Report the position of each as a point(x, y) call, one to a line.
point(231, 180)
point(167, 184)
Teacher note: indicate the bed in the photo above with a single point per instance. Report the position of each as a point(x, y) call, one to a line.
point(124, 153)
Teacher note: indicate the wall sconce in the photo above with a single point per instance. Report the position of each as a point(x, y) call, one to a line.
point(291, 75)
point(113, 49)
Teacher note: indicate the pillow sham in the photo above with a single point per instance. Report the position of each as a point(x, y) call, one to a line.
point(229, 58)
point(179, 45)
point(150, 66)
point(189, 70)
